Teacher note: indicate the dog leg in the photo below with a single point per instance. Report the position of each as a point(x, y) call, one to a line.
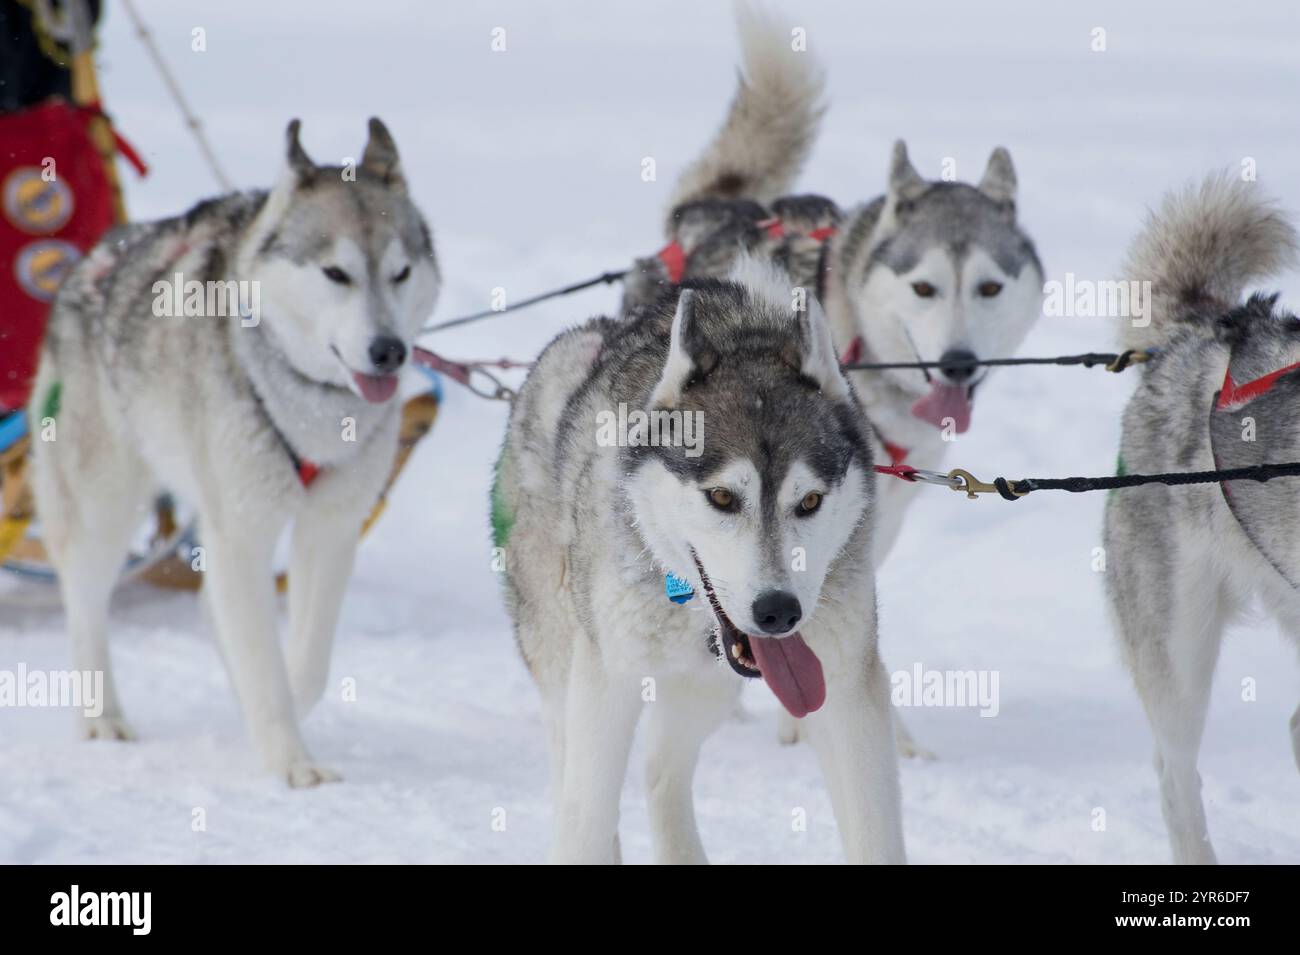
point(323, 550)
point(87, 522)
point(242, 599)
point(601, 710)
point(686, 710)
point(555, 749)
point(787, 729)
point(908, 747)
point(1295, 736)
point(788, 733)
point(1173, 663)
point(853, 736)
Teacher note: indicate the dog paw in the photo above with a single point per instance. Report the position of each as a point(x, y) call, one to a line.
point(910, 749)
point(304, 775)
point(106, 727)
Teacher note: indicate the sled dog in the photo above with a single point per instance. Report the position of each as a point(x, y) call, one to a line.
point(932, 270)
point(651, 577)
point(253, 408)
point(1222, 391)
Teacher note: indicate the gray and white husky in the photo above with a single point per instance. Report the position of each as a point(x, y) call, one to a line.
point(1182, 561)
point(766, 516)
point(297, 308)
point(932, 270)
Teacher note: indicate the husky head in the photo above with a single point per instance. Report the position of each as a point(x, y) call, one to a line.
point(345, 266)
point(778, 488)
point(948, 275)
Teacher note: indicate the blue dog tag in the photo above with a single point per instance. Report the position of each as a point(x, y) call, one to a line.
point(677, 590)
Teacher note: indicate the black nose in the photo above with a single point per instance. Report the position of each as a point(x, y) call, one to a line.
point(960, 358)
point(777, 611)
point(387, 353)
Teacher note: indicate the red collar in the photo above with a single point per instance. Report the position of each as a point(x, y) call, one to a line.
point(306, 470)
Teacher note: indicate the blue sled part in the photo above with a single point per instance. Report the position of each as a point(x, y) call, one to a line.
point(12, 429)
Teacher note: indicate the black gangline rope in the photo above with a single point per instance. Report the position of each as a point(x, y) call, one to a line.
point(1014, 490)
point(605, 278)
point(1113, 361)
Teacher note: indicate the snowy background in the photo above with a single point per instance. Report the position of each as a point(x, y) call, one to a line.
point(527, 163)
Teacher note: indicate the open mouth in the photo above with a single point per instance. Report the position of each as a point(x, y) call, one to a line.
point(733, 641)
point(374, 388)
point(787, 664)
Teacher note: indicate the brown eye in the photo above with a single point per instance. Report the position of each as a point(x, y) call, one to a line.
point(989, 289)
point(721, 498)
point(811, 501)
point(924, 289)
point(402, 276)
point(337, 275)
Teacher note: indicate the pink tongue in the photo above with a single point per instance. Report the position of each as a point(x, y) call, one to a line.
point(945, 401)
point(375, 388)
point(792, 671)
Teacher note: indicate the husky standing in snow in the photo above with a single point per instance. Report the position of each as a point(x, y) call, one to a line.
point(1223, 391)
point(929, 271)
point(280, 408)
point(762, 531)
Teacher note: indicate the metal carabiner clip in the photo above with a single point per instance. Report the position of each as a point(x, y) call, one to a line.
point(935, 477)
point(972, 486)
point(495, 390)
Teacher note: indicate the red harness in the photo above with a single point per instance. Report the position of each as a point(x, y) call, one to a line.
point(1233, 396)
point(674, 257)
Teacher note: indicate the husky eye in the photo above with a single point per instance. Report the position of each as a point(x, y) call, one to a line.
point(989, 289)
point(337, 275)
point(810, 503)
point(721, 498)
point(402, 276)
point(924, 289)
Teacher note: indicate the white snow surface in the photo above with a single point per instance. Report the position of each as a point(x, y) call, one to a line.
point(528, 164)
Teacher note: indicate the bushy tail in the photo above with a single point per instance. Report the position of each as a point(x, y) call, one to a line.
point(771, 124)
point(1202, 248)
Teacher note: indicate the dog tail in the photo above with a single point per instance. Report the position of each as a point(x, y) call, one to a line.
point(1200, 250)
point(770, 125)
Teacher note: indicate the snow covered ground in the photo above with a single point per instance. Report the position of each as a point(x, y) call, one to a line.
point(528, 163)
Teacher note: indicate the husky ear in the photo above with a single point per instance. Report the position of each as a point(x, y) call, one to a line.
point(300, 165)
point(380, 158)
point(999, 182)
point(905, 184)
point(904, 181)
point(678, 366)
point(820, 362)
